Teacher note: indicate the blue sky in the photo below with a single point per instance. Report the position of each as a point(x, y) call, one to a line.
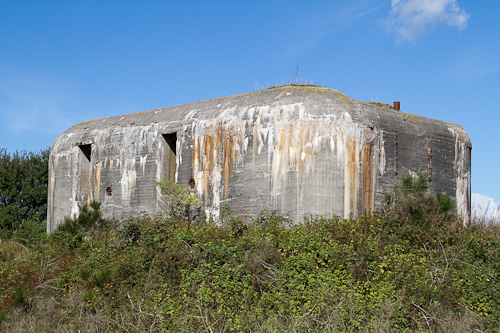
point(62, 62)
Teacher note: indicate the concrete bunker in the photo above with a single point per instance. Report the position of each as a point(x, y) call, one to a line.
point(302, 150)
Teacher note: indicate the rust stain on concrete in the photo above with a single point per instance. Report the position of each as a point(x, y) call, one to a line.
point(351, 179)
point(215, 153)
point(367, 178)
point(314, 150)
point(97, 180)
point(368, 170)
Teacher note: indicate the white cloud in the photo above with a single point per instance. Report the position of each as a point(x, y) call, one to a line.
point(409, 19)
point(484, 207)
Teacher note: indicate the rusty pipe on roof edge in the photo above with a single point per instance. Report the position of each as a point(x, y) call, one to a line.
point(397, 105)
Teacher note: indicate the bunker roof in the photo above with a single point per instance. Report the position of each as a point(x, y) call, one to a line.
point(318, 102)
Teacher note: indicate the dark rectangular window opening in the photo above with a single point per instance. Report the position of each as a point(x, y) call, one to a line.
point(86, 150)
point(169, 157)
point(84, 173)
point(171, 139)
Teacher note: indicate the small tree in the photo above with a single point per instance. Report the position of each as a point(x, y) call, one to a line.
point(412, 200)
point(178, 202)
point(23, 188)
point(82, 226)
point(89, 219)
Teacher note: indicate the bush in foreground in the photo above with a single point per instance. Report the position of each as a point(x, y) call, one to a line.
point(374, 273)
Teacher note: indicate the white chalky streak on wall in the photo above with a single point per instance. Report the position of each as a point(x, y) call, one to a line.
point(126, 161)
point(462, 176)
point(292, 144)
point(315, 145)
point(97, 180)
point(143, 163)
point(293, 139)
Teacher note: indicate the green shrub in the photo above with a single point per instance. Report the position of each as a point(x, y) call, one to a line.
point(377, 273)
point(178, 202)
point(21, 297)
point(30, 231)
point(413, 202)
point(23, 189)
point(101, 277)
point(89, 219)
point(131, 230)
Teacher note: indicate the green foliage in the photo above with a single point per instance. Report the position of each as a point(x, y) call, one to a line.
point(371, 274)
point(21, 297)
point(101, 277)
point(236, 225)
point(89, 219)
point(83, 226)
point(30, 231)
point(413, 202)
point(382, 105)
point(23, 190)
point(178, 202)
point(445, 203)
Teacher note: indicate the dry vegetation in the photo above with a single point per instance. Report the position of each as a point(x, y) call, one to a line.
point(382, 105)
point(413, 267)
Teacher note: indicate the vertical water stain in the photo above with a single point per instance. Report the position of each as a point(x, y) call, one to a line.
point(351, 179)
point(292, 147)
point(429, 163)
point(218, 144)
point(368, 170)
point(97, 180)
point(395, 157)
point(367, 177)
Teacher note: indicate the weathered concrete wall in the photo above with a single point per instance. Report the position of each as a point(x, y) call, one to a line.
point(301, 150)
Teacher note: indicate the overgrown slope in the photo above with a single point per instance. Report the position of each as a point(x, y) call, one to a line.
point(378, 273)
